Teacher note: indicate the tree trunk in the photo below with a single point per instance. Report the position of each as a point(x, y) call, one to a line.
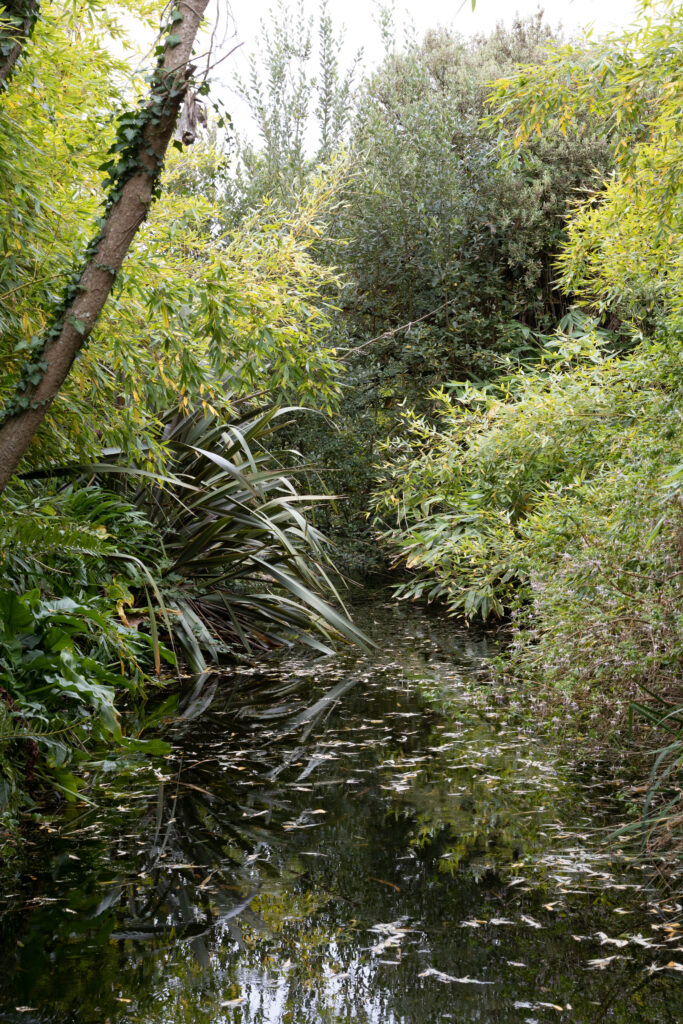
point(24, 14)
point(128, 206)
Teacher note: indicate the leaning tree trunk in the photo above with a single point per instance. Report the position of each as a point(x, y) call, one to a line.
point(145, 136)
point(24, 14)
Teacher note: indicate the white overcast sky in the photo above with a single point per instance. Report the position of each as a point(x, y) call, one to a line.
point(359, 20)
point(361, 31)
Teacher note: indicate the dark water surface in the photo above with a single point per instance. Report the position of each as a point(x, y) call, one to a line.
point(420, 852)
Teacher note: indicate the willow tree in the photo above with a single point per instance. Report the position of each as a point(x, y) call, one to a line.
point(138, 156)
point(623, 255)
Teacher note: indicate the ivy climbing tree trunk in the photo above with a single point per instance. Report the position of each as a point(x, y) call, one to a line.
point(22, 15)
point(137, 161)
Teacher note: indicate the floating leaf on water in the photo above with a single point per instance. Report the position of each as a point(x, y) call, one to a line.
point(523, 1005)
point(447, 978)
point(600, 964)
point(382, 882)
point(672, 965)
point(605, 940)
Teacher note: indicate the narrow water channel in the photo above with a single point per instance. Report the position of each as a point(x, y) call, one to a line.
point(421, 851)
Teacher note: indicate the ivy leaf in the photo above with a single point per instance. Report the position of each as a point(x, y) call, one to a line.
point(78, 324)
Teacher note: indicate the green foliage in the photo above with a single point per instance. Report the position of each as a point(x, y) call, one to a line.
point(554, 493)
point(547, 497)
point(217, 556)
point(70, 567)
point(440, 235)
point(193, 304)
point(44, 663)
point(625, 243)
point(49, 154)
point(58, 683)
point(462, 491)
point(204, 540)
point(242, 565)
point(445, 252)
point(301, 112)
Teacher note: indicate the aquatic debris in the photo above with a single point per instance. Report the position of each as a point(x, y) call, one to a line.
point(391, 802)
point(431, 972)
point(381, 881)
point(302, 820)
point(672, 965)
point(394, 932)
point(522, 1005)
point(600, 964)
point(605, 940)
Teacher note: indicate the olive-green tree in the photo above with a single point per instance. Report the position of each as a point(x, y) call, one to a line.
point(300, 99)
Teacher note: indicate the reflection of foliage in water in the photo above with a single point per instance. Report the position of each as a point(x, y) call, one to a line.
point(341, 837)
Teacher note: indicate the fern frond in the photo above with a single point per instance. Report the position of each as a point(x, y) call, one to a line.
point(32, 534)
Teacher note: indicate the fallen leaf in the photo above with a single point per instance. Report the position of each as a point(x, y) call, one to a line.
point(440, 976)
point(605, 940)
point(672, 965)
point(600, 964)
point(382, 882)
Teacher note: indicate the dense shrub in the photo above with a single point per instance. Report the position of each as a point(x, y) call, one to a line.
point(487, 499)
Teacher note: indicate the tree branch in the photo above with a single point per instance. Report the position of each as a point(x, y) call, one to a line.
point(23, 14)
point(134, 184)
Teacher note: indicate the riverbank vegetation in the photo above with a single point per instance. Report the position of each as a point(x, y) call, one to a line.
point(157, 526)
point(433, 312)
point(552, 493)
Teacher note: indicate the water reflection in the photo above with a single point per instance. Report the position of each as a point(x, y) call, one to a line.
point(384, 863)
